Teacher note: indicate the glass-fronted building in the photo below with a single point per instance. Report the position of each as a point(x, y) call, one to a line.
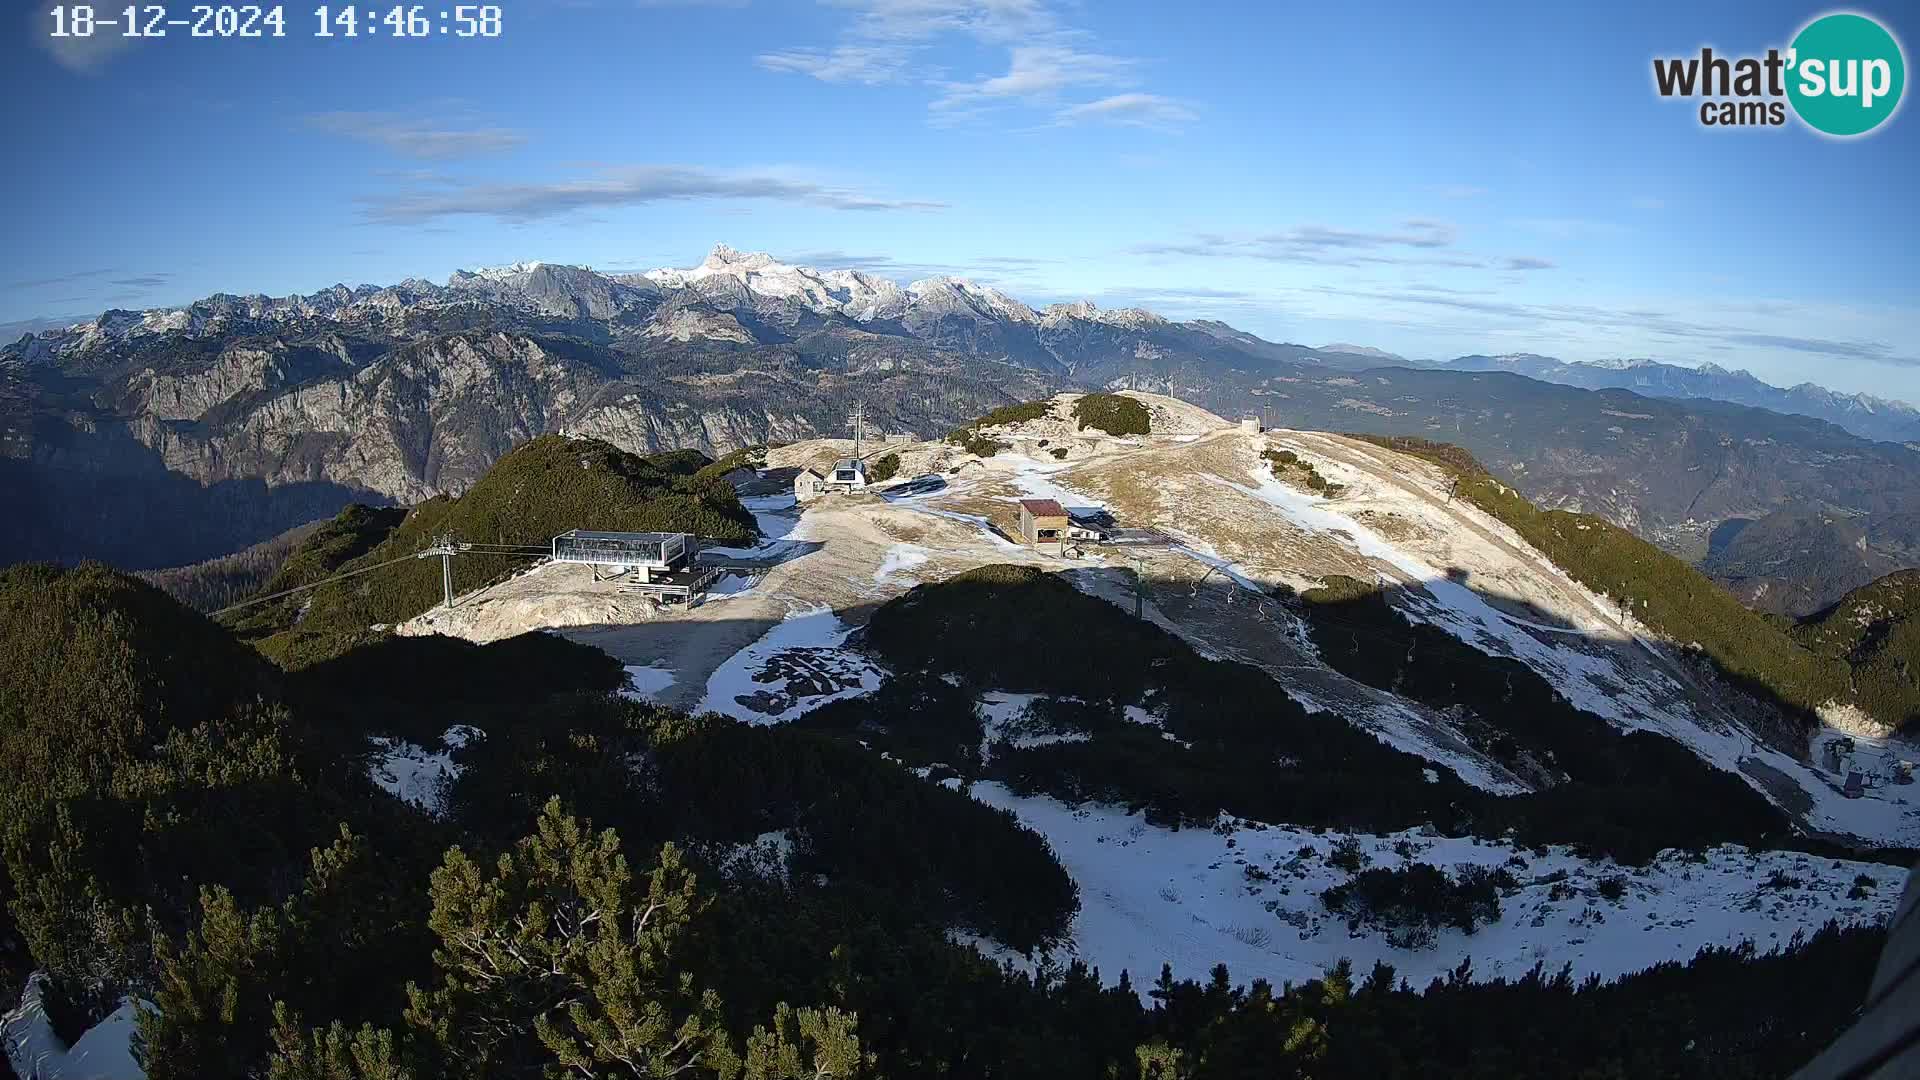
point(638, 550)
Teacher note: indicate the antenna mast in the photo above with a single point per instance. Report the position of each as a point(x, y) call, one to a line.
point(858, 418)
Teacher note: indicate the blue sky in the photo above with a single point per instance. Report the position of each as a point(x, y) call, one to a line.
point(1387, 174)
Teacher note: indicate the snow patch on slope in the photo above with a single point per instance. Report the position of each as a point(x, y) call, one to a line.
point(415, 774)
point(647, 683)
point(104, 1052)
point(1248, 896)
point(900, 559)
point(799, 665)
point(778, 518)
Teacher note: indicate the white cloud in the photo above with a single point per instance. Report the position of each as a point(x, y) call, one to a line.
point(886, 41)
point(1130, 110)
point(416, 138)
point(614, 187)
point(1036, 74)
point(1417, 242)
point(869, 64)
point(998, 21)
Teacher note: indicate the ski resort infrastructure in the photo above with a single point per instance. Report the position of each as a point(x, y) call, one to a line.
point(1203, 536)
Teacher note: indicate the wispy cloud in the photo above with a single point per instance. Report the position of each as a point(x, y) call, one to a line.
point(1049, 63)
point(1130, 110)
point(1167, 299)
point(884, 40)
point(1636, 321)
point(1036, 74)
point(920, 20)
point(1414, 242)
point(417, 137)
point(59, 279)
point(615, 187)
point(1415, 232)
point(1459, 191)
point(11, 332)
point(1877, 351)
point(872, 65)
point(1417, 241)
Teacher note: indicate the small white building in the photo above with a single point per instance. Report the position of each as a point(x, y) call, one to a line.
point(1086, 527)
point(847, 475)
point(850, 474)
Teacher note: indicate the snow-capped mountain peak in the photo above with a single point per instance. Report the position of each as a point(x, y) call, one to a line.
point(1127, 318)
point(733, 277)
point(949, 295)
point(505, 273)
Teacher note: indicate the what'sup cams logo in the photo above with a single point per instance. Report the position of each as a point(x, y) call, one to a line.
point(1842, 76)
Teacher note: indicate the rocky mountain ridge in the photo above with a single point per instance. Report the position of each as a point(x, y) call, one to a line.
point(163, 437)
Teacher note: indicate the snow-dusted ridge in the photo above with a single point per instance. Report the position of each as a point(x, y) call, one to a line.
point(727, 279)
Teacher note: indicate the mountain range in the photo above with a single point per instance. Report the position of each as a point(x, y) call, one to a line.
point(1862, 414)
point(213, 426)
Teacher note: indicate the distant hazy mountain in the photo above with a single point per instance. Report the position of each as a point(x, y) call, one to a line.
point(1367, 351)
point(163, 437)
point(1866, 416)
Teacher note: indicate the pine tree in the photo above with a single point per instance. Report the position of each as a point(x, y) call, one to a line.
point(211, 995)
point(559, 943)
point(333, 1053)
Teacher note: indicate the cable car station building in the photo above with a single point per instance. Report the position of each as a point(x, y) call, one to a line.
point(657, 564)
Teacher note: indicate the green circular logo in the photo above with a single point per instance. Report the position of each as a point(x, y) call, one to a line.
point(1845, 74)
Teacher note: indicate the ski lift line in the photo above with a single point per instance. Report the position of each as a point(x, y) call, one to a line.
point(502, 550)
point(446, 548)
point(314, 585)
